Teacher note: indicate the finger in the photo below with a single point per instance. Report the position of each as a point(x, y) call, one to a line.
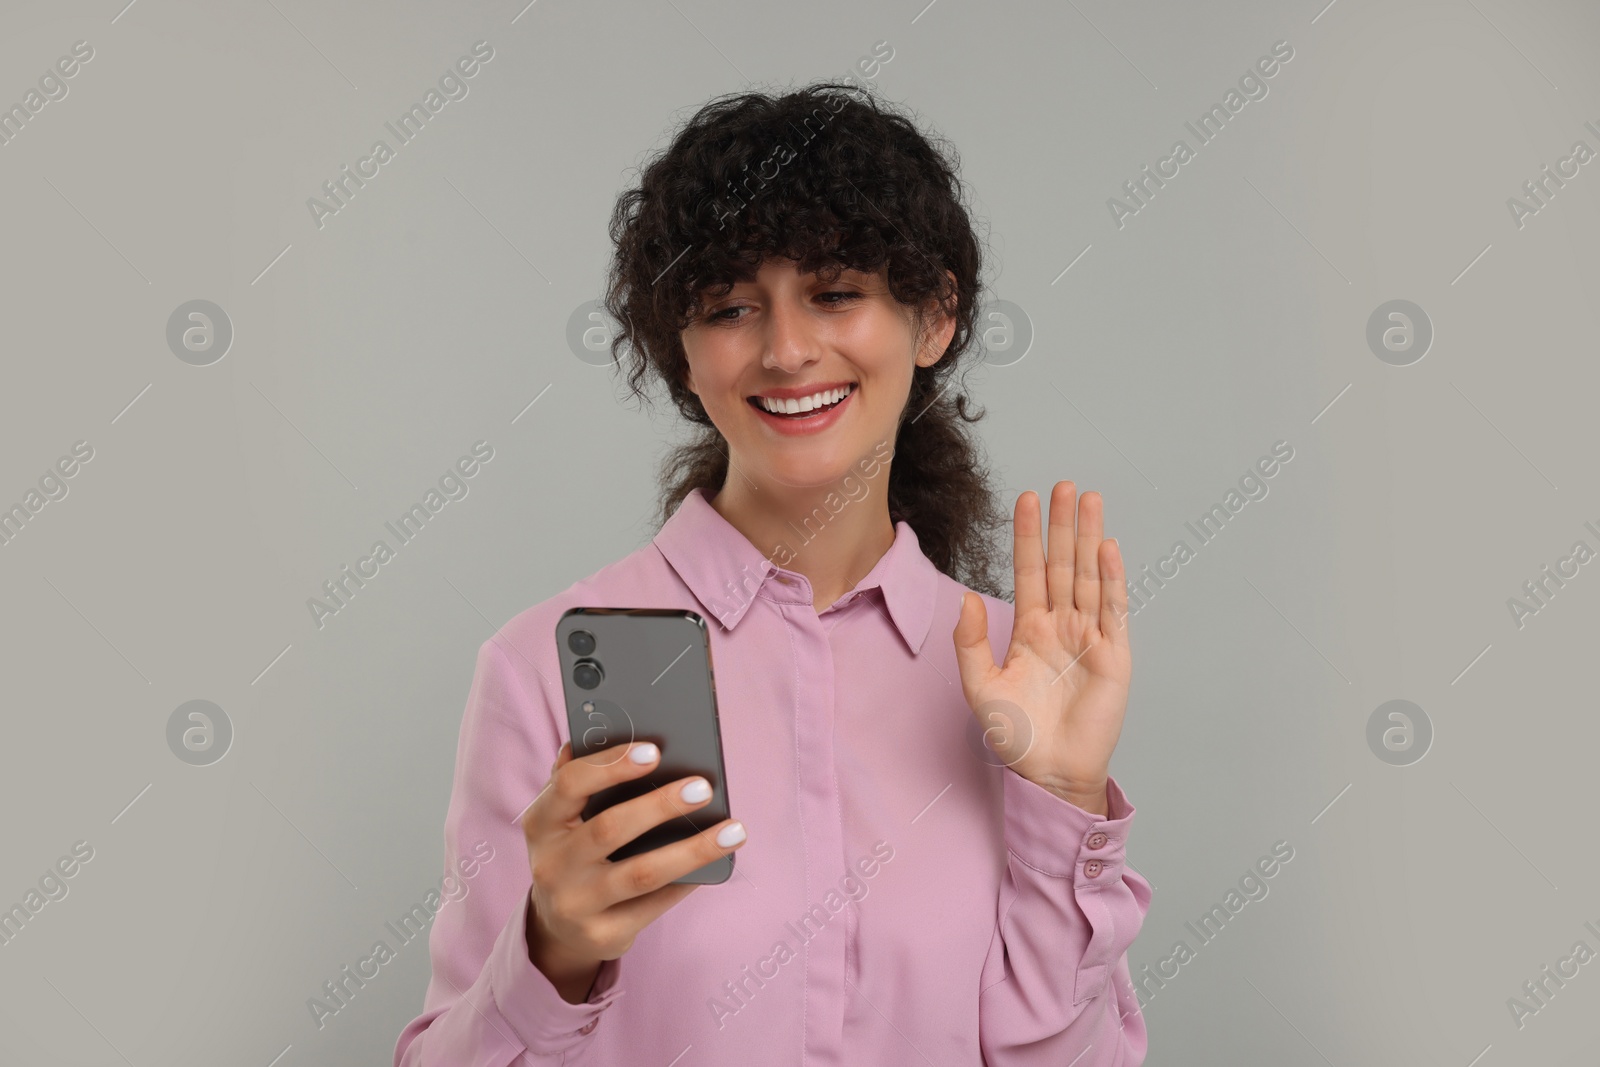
point(575, 781)
point(1113, 593)
point(650, 871)
point(1059, 561)
point(614, 827)
point(1086, 576)
point(974, 656)
point(1027, 555)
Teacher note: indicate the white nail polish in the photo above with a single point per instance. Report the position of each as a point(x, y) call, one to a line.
point(696, 791)
point(643, 753)
point(731, 834)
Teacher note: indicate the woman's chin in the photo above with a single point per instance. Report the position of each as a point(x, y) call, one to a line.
point(818, 469)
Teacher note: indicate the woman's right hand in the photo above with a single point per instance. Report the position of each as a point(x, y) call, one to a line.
point(587, 909)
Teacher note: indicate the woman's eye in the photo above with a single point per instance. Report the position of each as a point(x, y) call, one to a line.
point(731, 314)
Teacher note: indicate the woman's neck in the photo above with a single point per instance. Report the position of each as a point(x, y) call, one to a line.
point(831, 536)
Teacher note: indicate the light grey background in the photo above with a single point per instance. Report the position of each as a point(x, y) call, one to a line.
point(369, 354)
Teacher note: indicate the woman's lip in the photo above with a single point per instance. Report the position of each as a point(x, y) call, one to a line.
point(813, 422)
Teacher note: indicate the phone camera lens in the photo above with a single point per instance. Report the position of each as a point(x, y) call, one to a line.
point(581, 642)
point(587, 674)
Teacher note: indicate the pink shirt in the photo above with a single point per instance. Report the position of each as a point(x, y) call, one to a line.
point(899, 900)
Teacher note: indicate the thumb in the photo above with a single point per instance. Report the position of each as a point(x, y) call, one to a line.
point(563, 757)
point(974, 657)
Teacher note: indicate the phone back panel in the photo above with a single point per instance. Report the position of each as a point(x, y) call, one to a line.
point(656, 684)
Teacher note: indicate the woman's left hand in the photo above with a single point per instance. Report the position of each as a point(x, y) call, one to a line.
point(1053, 711)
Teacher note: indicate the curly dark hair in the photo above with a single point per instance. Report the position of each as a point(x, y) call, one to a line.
point(830, 177)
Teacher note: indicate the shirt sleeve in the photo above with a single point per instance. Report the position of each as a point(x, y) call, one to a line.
point(487, 1005)
point(1056, 987)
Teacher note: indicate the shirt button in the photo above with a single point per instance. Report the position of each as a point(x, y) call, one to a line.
point(1092, 868)
point(1097, 840)
point(588, 1027)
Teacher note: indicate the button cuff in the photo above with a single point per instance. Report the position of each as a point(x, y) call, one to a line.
point(1051, 834)
point(528, 1001)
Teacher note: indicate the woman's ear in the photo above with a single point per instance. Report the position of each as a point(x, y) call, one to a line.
point(941, 327)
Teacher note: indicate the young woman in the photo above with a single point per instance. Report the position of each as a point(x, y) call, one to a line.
point(931, 857)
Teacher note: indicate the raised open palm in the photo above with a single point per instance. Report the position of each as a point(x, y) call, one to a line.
point(1053, 710)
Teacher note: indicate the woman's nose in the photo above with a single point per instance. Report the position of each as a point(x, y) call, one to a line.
point(791, 341)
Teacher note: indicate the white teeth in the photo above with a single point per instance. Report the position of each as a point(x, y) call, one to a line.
point(815, 400)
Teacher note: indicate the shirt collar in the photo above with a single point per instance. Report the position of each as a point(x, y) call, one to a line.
point(725, 571)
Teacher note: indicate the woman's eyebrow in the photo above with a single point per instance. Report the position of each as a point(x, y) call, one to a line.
point(727, 285)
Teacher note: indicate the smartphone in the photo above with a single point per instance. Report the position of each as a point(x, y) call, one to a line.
point(644, 674)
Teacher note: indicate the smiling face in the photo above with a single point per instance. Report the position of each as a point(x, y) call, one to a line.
point(837, 357)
